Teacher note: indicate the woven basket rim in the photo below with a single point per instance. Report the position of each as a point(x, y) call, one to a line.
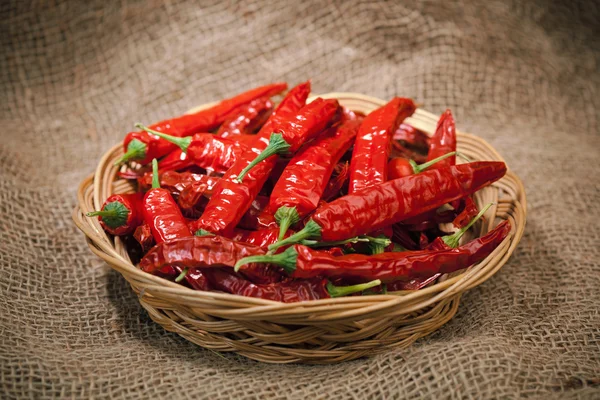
point(234, 306)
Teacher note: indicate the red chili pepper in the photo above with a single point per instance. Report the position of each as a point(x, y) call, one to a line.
point(401, 167)
point(336, 184)
point(413, 284)
point(298, 129)
point(469, 211)
point(197, 279)
point(176, 182)
point(261, 238)
point(302, 262)
point(443, 140)
point(368, 166)
point(174, 161)
point(247, 119)
point(305, 178)
point(287, 292)
point(162, 214)
point(206, 150)
point(143, 147)
point(231, 199)
point(120, 214)
point(398, 150)
point(143, 235)
point(393, 201)
point(251, 219)
point(410, 135)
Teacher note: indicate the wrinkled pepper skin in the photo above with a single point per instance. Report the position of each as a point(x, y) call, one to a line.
point(231, 199)
point(306, 176)
point(368, 166)
point(247, 119)
point(467, 214)
point(163, 216)
point(176, 182)
point(201, 121)
point(443, 141)
point(214, 153)
point(397, 266)
point(393, 201)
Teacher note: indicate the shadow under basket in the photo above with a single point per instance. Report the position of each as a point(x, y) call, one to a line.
point(315, 332)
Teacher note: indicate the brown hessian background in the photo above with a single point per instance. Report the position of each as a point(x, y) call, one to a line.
point(75, 75)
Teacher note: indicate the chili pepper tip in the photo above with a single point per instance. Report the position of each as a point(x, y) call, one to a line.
point(277, 145)
point(136, 150)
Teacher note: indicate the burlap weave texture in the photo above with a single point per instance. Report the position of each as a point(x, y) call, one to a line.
point(75, 76)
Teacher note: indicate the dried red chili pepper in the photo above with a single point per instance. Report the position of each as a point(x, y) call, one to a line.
point(120, 214)
point(305, 178)
point(298, 129)
point(261, 238)
point(393, 201)
point(197, 279)
point(143, 235)
point(143, 147)
point(368, 166)
point(287, 292)
point(205, 150)
point(247, 119)
point(174, 161)
point(469, 211)
point(337, 181)
point(231, 199)
point(176, 182)
point(161, 212)
point(302, 262)
point(443, 140)
point(400, 167)
point(398, 150)
point(252, 218)
point(410, 135)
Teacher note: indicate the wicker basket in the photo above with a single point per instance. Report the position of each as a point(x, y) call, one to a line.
point(315, 332)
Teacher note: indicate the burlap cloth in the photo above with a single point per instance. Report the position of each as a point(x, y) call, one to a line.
point(74, 78)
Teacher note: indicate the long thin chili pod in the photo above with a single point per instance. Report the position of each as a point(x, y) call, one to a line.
point(248, 119)
point(303, 262)
point(297, 129)
point(143, 147)
point(287, 292)
point(174, 161)
point(302, 183)
point(120, 214)
point(368, 166)
point(443, 140)
point(393, 201)
point(231, 199)
point(161, 212)
point(205, 150)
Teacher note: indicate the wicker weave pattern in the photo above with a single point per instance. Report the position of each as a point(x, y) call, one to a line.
point(316, 332)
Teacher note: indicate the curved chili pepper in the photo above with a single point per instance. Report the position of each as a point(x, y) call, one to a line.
point(143, 147)
point(197, 279)
point(143, 235)
point(205, 150)
point(393, 201)
point(302, 262)
point(247, 119)
point(398, 150)
point(400, 167)
point(372, 146)
point(298, 129)
point(162, 214)
point(287, 292)
point(120, 214)
point(231, 199)
point(303, 182)
point(469, 211)
point(410, 135)
point(339, 177)
point(443, 140)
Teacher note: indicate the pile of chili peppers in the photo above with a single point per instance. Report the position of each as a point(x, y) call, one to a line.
point(299, 201)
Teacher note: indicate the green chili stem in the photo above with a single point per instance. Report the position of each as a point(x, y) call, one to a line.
point(339, 291)
point(452, 240)
point(277, 145)
point(181, 275)
point(136, 150)
point(422, 167)
point(286, 217)
point(311, 230)
point(155, 177)
point(286, 259)
point(114, 214)
point(182, 142)
point(202, 232)
point(103, 213)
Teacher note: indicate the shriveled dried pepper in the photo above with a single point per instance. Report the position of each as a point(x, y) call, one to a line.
point(247, 119)
point(443, 140)
point(409, 135)
point(143, 147)
point(368, 166)
point(339, 177)
point(120, 214)
point(393, 201)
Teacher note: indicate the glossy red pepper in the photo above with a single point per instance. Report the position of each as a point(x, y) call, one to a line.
point(393, 201)
point(337, 182)
point(290, 291)
point(400, 167)
point(143, 235)
point(261, 238)
point(293, 132)
point(469, 212)
point(213, 153)
point(174, 161)
point(251, 219)
point(176, 182)
point(303, 182)
point(143, 147)
point(231, 199)
point(162, 214)
point(443, 140)
point(368, 166)
point(247, 119)
point(302, 262)
point(120, 214)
